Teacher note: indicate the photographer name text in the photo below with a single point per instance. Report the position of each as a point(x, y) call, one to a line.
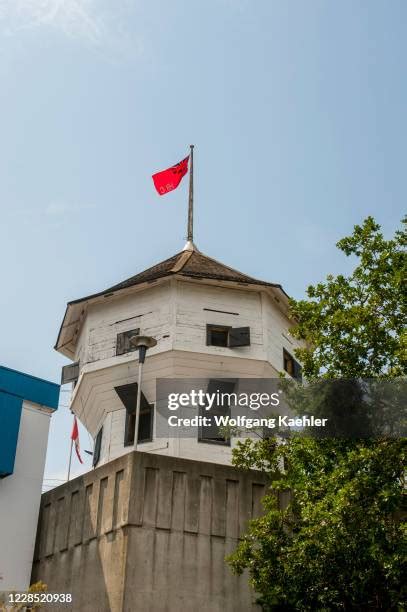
point(246, 422)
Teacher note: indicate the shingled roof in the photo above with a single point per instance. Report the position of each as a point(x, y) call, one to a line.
point(190, 263)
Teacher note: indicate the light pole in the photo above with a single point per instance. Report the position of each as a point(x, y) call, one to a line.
point(142, 343)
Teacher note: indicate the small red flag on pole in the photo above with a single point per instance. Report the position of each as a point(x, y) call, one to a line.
point(169, 179)
point(75, 438)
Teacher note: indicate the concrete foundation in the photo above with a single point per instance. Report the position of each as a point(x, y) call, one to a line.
point(148, 533)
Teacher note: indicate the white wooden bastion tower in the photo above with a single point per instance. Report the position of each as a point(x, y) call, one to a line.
point(210, 322)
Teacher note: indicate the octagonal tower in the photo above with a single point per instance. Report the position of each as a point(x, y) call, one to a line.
point(210, 321)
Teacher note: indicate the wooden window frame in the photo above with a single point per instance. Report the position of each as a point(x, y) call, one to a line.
point(210, 327)
point(130, 426)
point(228, 330)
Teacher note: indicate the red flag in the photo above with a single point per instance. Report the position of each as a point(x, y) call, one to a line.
point(169, 179)
point(75, 438)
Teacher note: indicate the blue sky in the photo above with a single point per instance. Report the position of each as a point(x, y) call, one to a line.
point(297, 110)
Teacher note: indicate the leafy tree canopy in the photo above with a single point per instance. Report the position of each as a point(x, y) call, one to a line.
point(355, 326)
point(340, 542)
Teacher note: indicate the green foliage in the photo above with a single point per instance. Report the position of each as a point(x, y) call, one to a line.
point(356, 325)
point(340, 544)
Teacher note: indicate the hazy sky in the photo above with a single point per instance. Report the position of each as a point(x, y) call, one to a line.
point(297, 110)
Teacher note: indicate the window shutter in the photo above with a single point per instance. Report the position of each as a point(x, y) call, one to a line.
point(98, 445)
point(70, 373)
point(123, 341)
point(208, 335)
point(239, 336)
point(128, 396)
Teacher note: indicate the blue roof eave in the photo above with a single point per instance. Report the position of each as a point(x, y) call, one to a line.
point(30, 388)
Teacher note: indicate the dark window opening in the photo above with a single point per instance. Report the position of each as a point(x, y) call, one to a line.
point(128, 396)
point(97, 448)
point(217, 336)
point(123, 344)
point(291, 366)
point(129, 428)
point(223, 335)
point(212, 433)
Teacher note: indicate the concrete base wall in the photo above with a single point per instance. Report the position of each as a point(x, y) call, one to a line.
point(150, 533)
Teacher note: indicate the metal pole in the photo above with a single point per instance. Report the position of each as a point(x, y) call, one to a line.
point(140, 372)
point(191, 198)
point(70, 461)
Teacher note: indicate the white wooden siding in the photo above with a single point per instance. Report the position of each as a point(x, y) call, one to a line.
point(150, 311)
point(192, 317)
point(176, 313)
point(277, 334)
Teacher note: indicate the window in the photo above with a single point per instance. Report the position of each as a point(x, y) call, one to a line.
point(70, 373)
point(291, 366)
point(211, 433)
point(224, 335)
point(216, 335)
point(123, 341)
point(97, 447)
point(128, 396)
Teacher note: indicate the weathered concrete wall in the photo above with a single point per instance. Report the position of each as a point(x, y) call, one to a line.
point(150, 533)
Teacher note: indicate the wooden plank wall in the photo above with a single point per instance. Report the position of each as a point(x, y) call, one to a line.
point(175, 312)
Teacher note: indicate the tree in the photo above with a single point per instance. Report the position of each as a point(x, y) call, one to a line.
point(356, 326)
point(340, 544)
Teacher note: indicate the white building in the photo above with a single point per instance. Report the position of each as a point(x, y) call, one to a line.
point(209, 320)
point(26, 405)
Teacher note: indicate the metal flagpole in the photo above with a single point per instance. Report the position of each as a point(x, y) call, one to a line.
point(70, 461)
point(191, 198)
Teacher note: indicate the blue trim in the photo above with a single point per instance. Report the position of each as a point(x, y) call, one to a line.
point(10, 415)
point(29, 388)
